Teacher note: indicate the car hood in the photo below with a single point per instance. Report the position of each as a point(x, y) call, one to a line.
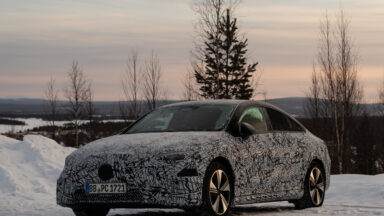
point(148, 144)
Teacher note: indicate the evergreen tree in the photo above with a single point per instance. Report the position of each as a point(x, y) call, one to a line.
point(229, 77)
point(209, 79)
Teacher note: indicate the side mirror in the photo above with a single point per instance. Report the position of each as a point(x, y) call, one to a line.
point(246, 130)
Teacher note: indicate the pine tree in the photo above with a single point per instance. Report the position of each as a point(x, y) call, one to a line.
point(209, 78)
point(230, 76)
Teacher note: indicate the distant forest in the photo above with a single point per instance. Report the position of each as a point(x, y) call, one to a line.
point(366, 140)
point(11, 122)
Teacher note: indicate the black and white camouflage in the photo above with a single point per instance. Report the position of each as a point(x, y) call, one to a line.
point(266, 167)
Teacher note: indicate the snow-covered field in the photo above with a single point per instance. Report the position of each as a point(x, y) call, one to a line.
point(29, 169)
point(37, 122)
point(30, 124)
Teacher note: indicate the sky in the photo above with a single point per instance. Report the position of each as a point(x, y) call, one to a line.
point(41, 38)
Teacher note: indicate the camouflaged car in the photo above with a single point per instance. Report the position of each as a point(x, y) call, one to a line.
point(209, 155)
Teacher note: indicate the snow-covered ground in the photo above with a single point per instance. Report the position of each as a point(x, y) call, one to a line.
point(29, 169)
point(31, 123)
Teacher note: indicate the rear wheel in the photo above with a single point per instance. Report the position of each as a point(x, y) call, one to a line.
point(314, 188)
point(218, 190)
point(91, 211)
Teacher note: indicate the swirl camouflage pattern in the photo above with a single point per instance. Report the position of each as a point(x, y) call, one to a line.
point(215, 154)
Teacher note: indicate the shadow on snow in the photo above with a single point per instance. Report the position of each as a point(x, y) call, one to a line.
point(242, 210)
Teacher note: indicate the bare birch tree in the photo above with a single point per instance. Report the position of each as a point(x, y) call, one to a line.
point(337, 71)
point(130, 84)
point(51, 95)
point(75, 93)
point(90, 108)
point(152, 76)
point(349, 88)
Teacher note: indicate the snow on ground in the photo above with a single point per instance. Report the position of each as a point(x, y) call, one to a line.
point(37, 122)
point(348, 195)
point(30, 123)
point(28, 172)
point(29, 169)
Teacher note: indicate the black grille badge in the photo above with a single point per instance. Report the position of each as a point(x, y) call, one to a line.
point(105, 172)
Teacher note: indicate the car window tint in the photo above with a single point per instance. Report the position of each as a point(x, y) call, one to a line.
point(278, 120)
point(294, 126)
point(161, 122)
point(184, 118)
point(282, 122)
point(255, 117)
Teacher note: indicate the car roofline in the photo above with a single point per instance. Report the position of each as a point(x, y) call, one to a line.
point(236, 103)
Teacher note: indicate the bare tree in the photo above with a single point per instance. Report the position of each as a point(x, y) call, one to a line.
point(339, 86)
point(256, 82)
point(124, 110)
point(152, 76)
point(190, 93)
point(90, 108)
point(314, 101)
point(130, 84)
point(75, 93)
point(51, 96)
point(316, 107)
point(348, 86)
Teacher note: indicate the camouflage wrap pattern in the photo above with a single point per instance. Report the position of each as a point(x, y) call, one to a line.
point(266, 167)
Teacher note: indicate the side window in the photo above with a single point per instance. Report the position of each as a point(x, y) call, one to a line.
point(294, 125)
point(255, 117)
point(281, 122)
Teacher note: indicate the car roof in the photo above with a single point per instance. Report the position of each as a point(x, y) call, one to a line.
point(222, 102)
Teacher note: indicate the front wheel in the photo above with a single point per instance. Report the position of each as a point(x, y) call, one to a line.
point(314, 188)
point(218, 190)
point(91, 211)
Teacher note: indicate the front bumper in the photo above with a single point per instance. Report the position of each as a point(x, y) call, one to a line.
point(133, 198)
point(154, 185)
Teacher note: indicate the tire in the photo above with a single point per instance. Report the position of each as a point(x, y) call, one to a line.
point(217, 190)
point(91, 211)
point(314, 188)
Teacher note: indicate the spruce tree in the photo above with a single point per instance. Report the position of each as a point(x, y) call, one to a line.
point(228, 78)
point(209, 78)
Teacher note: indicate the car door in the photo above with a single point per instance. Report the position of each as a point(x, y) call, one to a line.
point(258, 158)
point(287, 152)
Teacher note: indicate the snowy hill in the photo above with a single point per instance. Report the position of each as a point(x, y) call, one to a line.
point(28, 172)
point(29, 169)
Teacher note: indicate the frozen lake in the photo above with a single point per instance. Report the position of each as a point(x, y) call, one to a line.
point(35, 122)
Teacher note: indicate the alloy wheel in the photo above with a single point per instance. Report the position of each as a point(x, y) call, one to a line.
point(219, 192)
point(316, 186)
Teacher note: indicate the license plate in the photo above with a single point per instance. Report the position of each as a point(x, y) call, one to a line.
point(107, 188)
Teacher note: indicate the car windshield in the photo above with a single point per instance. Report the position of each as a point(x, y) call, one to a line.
point(184, 118)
